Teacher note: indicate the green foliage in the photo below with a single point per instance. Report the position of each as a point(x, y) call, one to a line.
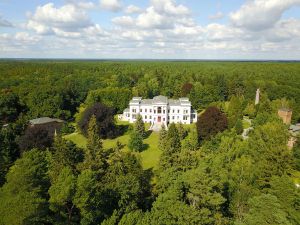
point(24, 195)
point(288, 196)
point(239, 126)
point(224, 180)
point(250, 110)
point(172, 148)
point(162, 137)
point(181, 131)
point(10, 106)
point(61, 193)
point(265, 209)
point(87, 198)
point(95, 157)
point(268, 146)
point(116, 98)
point(296, 155)
point(191, 142)
point(235, 110)
point(9, 151)
point(136, 141)
point(64, 154)
point(139, 126)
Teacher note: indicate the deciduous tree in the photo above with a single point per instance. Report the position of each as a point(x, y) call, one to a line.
point(211, 122)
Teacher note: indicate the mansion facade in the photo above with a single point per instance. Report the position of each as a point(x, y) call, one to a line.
point(160, 110)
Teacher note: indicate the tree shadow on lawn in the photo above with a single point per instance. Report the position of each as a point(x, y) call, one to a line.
point(148, 133)
point(145, 147)
point(121, 130)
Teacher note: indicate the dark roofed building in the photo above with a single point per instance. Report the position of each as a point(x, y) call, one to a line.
point(44, 120)
point(50, 124)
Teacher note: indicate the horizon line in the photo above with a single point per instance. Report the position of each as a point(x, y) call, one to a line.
point(147, 59)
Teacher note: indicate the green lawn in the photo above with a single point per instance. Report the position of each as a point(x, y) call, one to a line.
point(77, 138)
point(149, 157)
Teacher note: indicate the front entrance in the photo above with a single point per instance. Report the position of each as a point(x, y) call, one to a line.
point(159, 119)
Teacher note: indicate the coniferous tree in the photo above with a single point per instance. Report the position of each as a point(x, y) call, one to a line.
point(173, 147)
point(191, 141)
point(181, 131)
point(173, 139)
point(62, 192)
point(136, 141)
point(162, 137)
point(95, 157)
point(24, 195)
point(9, 151)
point(64, 154)
point(139, 126)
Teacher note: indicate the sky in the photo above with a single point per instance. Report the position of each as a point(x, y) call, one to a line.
point(151, 29)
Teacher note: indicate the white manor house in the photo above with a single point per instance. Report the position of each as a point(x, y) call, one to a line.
point(160, 110)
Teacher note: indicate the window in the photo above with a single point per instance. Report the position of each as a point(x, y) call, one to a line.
point(178, 111)
point(134, 110)
point(141, 110)
point(150, 117)
point(173, 111)
point(173, 117)
point(133, 116)
point(185, 111)
point(178, 117)
point(151, 110)
point(164, 119)
point(185, 117)
point(164, 111)
point(159, 110)
point(145, 110)
point(168, 110)
point(194, 116)
point(145, 117)
point(154, 111)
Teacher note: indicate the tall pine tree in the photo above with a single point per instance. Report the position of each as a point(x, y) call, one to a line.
point(139, 126)
point(162, 138)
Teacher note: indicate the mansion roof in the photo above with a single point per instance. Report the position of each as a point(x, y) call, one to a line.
point(160, 100)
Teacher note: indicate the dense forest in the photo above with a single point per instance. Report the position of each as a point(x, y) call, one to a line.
point(207, 173)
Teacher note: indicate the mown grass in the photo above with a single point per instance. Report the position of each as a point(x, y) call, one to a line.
point(149, 157)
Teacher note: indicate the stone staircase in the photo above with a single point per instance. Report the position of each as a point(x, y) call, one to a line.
point(155, 127)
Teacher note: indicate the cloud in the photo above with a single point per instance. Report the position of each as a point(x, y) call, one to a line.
point(169, 7)
point(151, 19)
point(131, 9)
point(4, 22)
point(217, 16)
point(82, 4)
point(123, 21)
point(111, 5)
point(162, 14)
point(261, 14)
point(48, 19)
point(284, 30)
point(163, 29)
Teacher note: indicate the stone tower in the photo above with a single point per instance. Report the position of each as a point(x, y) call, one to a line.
point(257, 96)
point(286, 115)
